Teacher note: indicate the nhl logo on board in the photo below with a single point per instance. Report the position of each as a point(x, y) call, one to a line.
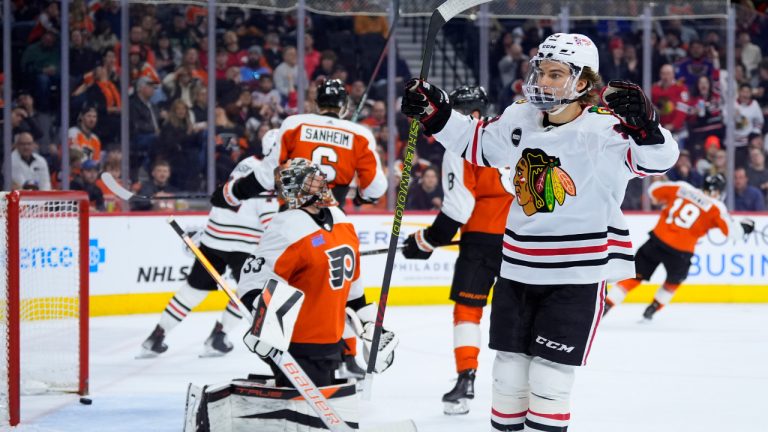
point(517, 135)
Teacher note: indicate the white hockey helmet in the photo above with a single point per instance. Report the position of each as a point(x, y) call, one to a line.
point(269, 142)
point(572, 49)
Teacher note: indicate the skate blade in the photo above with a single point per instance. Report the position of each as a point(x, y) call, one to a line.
point(146, 354)
point(460, 407)
point(212, 354)
point(645, 321)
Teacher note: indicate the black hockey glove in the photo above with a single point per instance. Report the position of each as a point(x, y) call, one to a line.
point(427, 102)
point(359, 200)
point(421, 244)
point(231, 194)
point(416, 246)
point(748, 225)
point(635, 111)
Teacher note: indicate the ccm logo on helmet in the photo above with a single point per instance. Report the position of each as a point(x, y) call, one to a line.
point(552, 344)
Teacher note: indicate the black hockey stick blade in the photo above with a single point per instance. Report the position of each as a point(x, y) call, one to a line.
point(443, 14)
point(384, 49)
point(124, 194)
point(381, 251)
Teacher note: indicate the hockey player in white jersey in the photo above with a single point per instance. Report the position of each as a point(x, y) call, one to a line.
point(565, 235)
point(229, 238)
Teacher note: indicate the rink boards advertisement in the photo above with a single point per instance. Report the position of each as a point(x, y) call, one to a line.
point(137, 262)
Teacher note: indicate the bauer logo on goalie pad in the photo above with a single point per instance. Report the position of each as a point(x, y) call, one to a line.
point(341, 261)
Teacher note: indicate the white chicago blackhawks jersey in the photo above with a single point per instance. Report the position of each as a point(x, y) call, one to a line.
point(322, 262)
point(239, 230)
point(343, 150)
point(566, 224)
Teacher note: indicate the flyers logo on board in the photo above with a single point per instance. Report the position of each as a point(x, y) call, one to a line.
point(540, 182)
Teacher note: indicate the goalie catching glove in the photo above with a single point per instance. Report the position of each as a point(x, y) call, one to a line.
point(363, 321)
point(635, 112)
point(274, 313)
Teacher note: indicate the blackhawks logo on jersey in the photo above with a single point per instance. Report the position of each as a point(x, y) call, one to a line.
point(540, 182)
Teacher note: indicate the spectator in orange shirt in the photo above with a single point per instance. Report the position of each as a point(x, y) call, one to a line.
point(82, 135)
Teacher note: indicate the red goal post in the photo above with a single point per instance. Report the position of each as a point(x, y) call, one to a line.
point(44, 288)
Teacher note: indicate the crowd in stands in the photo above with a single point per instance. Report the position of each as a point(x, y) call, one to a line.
point(257, 77)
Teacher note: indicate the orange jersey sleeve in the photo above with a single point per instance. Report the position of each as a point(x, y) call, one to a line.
point(475, 196)
point(687, 215)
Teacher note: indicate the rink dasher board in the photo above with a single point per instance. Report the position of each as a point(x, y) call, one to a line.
point(137, 262)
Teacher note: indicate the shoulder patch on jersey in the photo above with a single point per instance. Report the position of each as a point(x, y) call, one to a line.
point(517, 135)
point(599, 110)
point(520, 101)
point(540, 182)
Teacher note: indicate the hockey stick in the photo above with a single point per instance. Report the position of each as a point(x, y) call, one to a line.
point(384, 49)
point(443, 14)
point(125, 194)
point(381, 251)
point(283, 360)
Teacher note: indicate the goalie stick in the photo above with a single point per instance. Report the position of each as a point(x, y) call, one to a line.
point(381, 251)
point(443, 14)
point(125, 194)
point(284, 360)
point(384, 49)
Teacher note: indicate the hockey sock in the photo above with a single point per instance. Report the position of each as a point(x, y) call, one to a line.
point(231, 317)
point(619, 291)
point(466, 336)
point(186, 299)
point(665, 293)
point(550, 400)
point(509, 404)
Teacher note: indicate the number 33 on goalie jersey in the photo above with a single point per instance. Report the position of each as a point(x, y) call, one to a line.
point(321, 261)
point(688, 214)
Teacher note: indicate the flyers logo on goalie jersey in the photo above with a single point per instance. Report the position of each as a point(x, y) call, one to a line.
point(341, 262)
point(540, 182)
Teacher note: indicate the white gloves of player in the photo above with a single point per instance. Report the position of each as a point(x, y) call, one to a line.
point(363, 321)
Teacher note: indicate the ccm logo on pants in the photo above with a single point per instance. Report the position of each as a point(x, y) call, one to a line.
point(552, 344)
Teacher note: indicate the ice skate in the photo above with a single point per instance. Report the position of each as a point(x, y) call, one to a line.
point(217, 344)
point(154, 345)
point(456, 401)
point(650, 311)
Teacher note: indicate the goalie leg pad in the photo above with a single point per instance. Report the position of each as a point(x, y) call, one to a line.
point(258, 405)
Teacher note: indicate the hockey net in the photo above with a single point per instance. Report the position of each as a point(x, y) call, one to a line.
point(44, 288)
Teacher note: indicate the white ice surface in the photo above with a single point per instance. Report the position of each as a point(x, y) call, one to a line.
point(695, 368)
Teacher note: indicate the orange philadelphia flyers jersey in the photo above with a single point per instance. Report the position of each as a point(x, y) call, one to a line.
point(90, 144)
point(687, 215)
point(341, 148)
point(322, 262)
point(476, 196)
